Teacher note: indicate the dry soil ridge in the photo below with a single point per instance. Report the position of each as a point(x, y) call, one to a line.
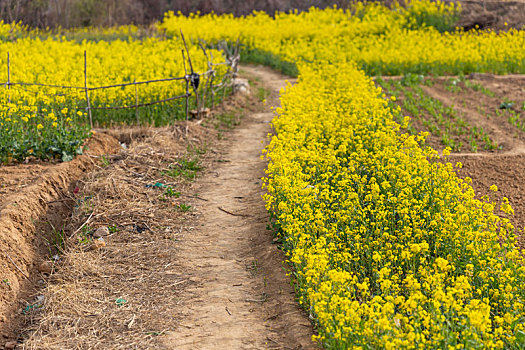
point(21, 213)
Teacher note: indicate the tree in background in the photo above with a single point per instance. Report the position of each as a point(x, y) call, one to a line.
point(79, 13)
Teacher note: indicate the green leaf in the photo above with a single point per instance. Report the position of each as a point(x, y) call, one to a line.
point(66, 157)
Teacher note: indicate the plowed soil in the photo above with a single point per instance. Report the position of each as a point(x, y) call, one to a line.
point(505, 167)
point(505, 171)
point(481, 109)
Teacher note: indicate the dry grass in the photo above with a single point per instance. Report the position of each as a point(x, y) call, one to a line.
point(137, 264)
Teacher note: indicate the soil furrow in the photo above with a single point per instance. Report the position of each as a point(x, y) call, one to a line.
point(504, 171)
point(24, 214)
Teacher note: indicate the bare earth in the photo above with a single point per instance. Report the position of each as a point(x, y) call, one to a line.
point(504, 167)
point(239, 298)
point(28, 194)
point(210, 277)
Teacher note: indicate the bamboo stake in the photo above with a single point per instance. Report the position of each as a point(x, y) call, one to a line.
point(209, 74)
point(8, 77)
point(186, 46)
point(192, 73)
point(135, 83)
point(97, 87)
point(136, 101)
point(187, 87)
point(211, 84)
point(49, 85)
point(87, 90)
point(224, 87)
point(142, 104)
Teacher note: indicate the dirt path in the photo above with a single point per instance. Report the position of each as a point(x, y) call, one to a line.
point(187, 264)
point(239, 298)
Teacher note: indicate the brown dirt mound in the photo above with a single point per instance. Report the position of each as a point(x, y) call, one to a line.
point(31, 200)
point(504, 171)
point(492, 14)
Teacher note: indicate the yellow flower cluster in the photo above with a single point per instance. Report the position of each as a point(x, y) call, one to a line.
point(378, 39)
point(48, 120)
point(60, 62)
point(11, 31)
point(390, 248)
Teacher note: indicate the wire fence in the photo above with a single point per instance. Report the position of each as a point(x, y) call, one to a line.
point(191, 78)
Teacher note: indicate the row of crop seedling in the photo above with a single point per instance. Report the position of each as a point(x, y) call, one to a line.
point(440, 120)
point(498, 108)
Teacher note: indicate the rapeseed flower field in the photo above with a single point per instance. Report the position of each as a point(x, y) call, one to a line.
point(389, 248)
point(51, 122)
point(379, 40)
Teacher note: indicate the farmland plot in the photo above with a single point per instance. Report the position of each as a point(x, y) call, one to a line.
point(394, 235)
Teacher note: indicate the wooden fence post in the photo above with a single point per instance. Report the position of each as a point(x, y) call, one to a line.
point(136, 101)
point(87, 91)
point(192, 76)
point(8, 77)
point(212, 92)
point(186, 78)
